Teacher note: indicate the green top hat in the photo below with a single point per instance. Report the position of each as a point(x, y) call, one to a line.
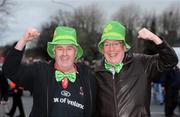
point(64, 36)
point(113, 31)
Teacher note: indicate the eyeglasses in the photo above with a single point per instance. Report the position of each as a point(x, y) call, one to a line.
point(115, 44)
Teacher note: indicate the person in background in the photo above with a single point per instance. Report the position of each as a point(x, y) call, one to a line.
point(61, 87)
point(171, 80)
point(17, 102)
point(124, 78)
point(4, 87)
point(158, 93)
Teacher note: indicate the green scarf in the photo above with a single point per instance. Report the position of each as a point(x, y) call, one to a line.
point(117, 67)
point(59, 76)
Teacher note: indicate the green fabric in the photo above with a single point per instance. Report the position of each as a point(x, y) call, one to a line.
point(113, 31)
point(64, 36)
point(59, 76)
point(117, 67)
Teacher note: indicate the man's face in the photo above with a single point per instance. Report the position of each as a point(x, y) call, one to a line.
point(113, 51)
point(65, 56)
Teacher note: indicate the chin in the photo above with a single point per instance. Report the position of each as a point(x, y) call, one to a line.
point(113, 62)
point(65, 65)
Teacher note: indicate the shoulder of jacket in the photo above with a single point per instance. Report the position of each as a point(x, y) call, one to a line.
point(82, 67)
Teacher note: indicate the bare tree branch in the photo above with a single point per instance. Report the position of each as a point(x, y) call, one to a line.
point(5, 11)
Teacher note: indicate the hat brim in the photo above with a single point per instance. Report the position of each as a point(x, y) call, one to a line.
point(50, 47)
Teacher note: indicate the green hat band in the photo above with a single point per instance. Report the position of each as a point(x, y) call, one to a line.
point(113, 35)
point(64, 36)
point(56, 38)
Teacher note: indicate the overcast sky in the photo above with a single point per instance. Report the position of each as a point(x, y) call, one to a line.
point(28, 13)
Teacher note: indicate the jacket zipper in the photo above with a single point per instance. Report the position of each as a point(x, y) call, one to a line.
point(114, 92)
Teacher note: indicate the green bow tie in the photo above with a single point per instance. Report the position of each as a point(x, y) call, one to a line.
point(59, 76)
point(117, 67)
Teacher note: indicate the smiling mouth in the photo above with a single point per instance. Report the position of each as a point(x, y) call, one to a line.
point(64, 59)
point(112, 54)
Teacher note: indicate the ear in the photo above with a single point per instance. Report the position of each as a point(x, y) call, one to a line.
point(102, 52)
point(124, 48)
point(76, 50)
point(53, 50)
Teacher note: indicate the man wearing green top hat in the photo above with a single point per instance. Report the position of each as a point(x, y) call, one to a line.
point(124, 78)
point(61, 87)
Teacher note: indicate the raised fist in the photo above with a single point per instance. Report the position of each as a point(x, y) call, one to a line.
point(30, 34)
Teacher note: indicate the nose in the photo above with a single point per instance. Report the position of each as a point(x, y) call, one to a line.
point(111, 47)
point(64, 52)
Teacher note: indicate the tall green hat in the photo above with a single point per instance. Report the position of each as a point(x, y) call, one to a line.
point(64, 36)
point(113, 31)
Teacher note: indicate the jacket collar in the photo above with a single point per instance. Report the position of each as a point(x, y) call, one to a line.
point(126, 60)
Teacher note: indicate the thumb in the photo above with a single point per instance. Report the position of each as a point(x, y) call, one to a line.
point(138, 36)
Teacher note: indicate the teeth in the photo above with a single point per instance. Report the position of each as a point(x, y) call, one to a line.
point(112, 54)
point(64, 59)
